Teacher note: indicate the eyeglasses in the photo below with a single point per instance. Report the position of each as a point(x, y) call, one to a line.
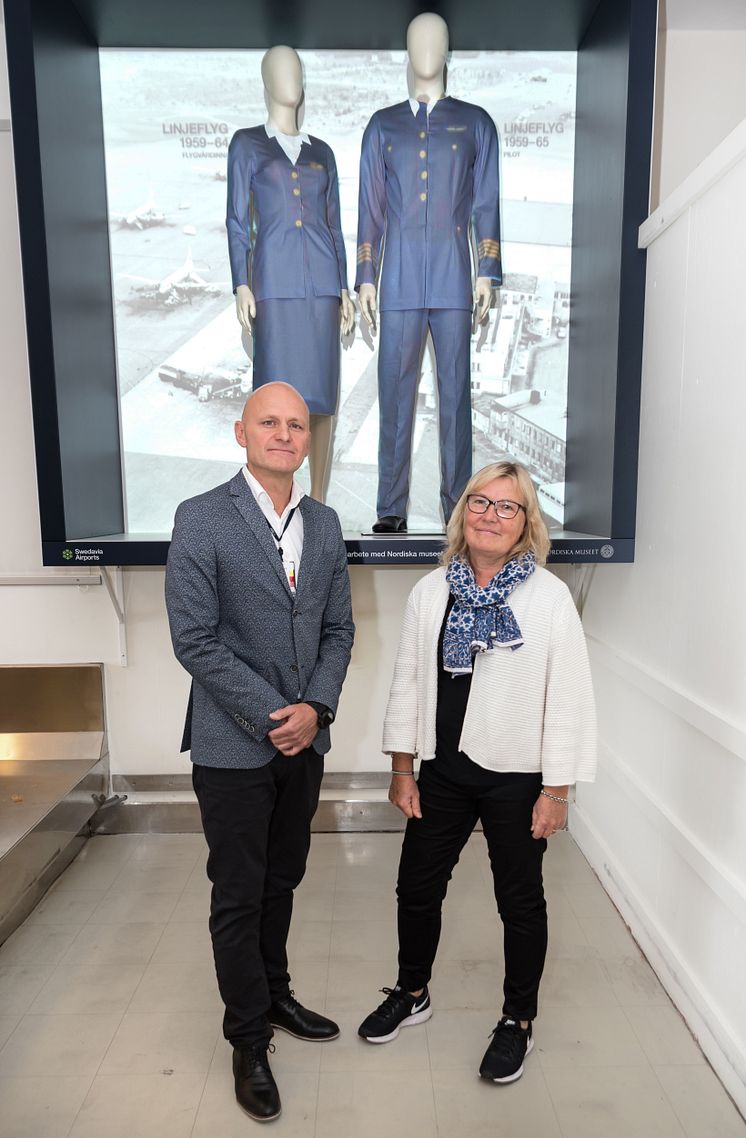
point(504, 508)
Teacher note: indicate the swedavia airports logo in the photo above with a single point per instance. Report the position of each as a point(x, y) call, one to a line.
point(81, 555)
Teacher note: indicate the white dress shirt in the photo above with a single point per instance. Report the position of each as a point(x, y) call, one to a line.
point(290, 143)
point(292, 539)
point(415, 105)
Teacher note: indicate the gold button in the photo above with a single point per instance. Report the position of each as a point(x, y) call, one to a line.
point(423, 197)
point(298, 223)
point(294, 175)
point(423, 175)
point(423, 154)
point(296, 191)
point(422, 134)
point(454, 146)
point(388, 148)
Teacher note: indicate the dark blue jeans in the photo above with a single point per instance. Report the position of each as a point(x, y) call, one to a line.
point(431, 849)
point(258, 829)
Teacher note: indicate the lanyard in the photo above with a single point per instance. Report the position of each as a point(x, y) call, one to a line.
point(278, 537)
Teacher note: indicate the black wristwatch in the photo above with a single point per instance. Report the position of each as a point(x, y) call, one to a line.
point(324, 715)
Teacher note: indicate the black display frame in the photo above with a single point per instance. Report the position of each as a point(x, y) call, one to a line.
point(57, 127)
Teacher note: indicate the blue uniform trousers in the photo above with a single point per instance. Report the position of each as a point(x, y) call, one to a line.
point(402, 342)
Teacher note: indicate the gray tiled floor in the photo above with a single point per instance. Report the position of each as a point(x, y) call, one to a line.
point(110, 1016)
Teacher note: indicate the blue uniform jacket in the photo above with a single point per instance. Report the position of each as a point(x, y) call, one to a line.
point(424, 184)
point(284, 231)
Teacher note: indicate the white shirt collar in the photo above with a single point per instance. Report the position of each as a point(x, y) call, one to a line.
point(429, 106)
point(262, 497)
point(273, 132)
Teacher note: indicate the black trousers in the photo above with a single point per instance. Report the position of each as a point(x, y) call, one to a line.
point(258, 829)
point(431, 849)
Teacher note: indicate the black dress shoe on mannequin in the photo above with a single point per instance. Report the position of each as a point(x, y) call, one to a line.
point(390, 523)
point(287, 1014)
point(256, 1089)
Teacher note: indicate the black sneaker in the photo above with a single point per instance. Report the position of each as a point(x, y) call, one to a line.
point(503, 1059)
point(399, 1009)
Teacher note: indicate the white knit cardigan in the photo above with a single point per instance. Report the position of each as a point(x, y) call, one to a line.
point(531, 709)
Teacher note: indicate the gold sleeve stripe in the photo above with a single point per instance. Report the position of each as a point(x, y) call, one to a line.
point(362, 257)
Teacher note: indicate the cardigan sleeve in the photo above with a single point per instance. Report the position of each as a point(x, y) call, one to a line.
point(569, 744)
point(400, 722)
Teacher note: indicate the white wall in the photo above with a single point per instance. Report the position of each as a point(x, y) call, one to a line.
point(702, 97)
point(53, 624)
point(664, 823)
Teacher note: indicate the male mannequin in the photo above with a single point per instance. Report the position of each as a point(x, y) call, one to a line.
point(283, 217)
point(428, 169)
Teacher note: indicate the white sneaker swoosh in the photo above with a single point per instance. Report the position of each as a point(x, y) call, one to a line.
point(418, 1007)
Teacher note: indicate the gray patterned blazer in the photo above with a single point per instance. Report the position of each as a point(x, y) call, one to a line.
point(250, 646)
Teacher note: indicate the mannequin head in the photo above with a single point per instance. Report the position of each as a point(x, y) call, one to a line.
point(427, 46)
point(282, 75)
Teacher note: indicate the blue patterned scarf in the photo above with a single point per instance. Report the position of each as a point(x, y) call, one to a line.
point(480, 619)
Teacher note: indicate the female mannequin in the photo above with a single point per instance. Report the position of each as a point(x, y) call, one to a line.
point(283, 217)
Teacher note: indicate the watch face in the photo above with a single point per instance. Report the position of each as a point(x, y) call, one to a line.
point(325, 719)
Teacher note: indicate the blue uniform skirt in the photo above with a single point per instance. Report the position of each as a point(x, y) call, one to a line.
point(298, 341)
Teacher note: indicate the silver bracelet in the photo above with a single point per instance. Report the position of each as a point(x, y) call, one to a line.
point(409, 773)
point(554, 797)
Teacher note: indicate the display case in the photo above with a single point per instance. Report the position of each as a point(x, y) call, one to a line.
point(121, 116)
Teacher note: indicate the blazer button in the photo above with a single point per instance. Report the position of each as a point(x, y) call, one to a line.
point(295, 612)
point(294, 175)
point(251, 727)
point(293, 667)
point(298, 223)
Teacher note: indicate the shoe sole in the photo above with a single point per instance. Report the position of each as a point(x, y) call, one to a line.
point(305, 1038)
point(260, 1117)
point(510, 1078)
point(410, 1021)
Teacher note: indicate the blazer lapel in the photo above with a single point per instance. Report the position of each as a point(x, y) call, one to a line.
point(311, 547)
point(248, 508)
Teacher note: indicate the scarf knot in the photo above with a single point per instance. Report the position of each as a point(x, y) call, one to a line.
point(481, 619)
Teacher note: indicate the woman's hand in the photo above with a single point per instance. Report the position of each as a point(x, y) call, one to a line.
point(403, 794)
point(547, 817)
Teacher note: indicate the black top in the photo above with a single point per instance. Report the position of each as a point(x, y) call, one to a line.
point(449, 761)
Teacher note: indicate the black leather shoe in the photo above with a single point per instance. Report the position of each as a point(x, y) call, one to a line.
point(287, 1014)
point(390, 523)
point(256, 1089)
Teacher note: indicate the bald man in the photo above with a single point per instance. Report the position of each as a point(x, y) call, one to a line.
point(258, 601)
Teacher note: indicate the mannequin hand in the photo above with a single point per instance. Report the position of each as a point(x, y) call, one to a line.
point(348, 313)
point(367, 297)
point(245, 306)
point(404, 794)
point(483, 297)
point(547, 817)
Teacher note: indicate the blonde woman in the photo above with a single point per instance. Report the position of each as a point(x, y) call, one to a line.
point(492, 691)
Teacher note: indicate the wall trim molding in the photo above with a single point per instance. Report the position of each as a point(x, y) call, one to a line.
point(714, 167)
point(708, 1023)
point(729, 888)
point(704, 718)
